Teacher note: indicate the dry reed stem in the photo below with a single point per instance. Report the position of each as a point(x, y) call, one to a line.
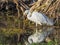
point(35, 6)
point(44, 6)
point(16, 2)
point(17, 7)
point(23, 4)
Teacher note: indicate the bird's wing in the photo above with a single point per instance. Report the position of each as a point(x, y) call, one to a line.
point(39, 17)
point(49, 21)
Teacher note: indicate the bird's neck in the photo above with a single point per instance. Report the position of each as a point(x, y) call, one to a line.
point(29, 15)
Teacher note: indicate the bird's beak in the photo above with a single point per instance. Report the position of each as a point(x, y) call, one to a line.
point(25, 15)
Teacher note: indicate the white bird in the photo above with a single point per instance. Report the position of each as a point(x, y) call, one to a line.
point(38, 18)
point(39, 37)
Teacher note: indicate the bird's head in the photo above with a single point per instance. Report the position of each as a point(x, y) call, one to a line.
point(26, 12)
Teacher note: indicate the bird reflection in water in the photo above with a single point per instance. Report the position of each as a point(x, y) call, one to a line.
point(40, 36)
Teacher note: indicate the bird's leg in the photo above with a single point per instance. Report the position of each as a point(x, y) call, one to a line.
point(36, 27)
point(40, 23)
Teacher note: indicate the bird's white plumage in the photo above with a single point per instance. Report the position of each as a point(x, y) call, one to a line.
point(38, 18)
point(41, 19)
point(39, 37)
point(35, 38)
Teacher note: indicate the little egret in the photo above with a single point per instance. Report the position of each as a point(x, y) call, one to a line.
point(40, 36)
point(38, 18)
